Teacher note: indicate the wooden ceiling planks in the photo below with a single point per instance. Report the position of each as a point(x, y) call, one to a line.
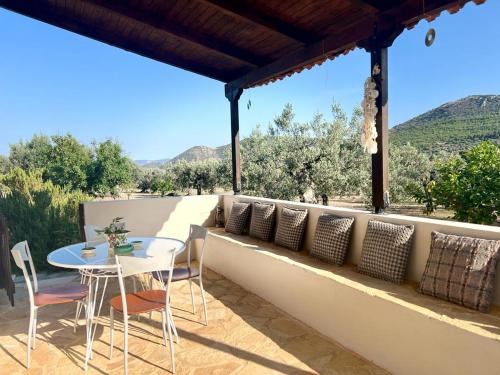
point(243, 43)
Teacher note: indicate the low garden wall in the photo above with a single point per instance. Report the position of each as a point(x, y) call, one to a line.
point(160, 217)
point(422, 237)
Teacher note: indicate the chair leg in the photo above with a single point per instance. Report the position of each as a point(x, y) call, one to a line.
point(204, 301)
point(125, 344)
point(134, 287)
point(169, 329)
point(172, 324)
point(35, 319)
point(151, 288)
point(77, 315)
point(30, 335)
point(112, 330)
point(164, 326)
point(192, 295)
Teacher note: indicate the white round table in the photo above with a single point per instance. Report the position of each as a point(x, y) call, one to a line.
point(71, 256)
point(103, 261)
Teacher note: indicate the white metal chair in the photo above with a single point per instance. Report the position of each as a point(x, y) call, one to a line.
point(144, 301)
point(190, 273)
point(91, 234)
point(73, 292)
point(92, 237)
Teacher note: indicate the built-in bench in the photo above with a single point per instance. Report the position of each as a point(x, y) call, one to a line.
point(393, 325)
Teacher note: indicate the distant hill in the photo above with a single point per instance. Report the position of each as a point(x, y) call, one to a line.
point(454, 126)
point(198, 153)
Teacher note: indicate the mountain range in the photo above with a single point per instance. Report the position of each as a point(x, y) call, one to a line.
point(453, 127)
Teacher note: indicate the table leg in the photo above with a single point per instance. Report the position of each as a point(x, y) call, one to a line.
point(93, 317)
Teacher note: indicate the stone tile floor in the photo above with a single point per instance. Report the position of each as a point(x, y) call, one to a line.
point(245, 335)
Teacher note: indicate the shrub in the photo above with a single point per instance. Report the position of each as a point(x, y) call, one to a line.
point(470, 185)
point(40, 212)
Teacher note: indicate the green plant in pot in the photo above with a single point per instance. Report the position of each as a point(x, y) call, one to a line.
point(116, 234)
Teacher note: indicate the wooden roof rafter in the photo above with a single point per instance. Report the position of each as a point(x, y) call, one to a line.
point(379, 5)
point(39, 11)
point(243, 43)
point(389, 23)
point(158, 22)
point(247, 13)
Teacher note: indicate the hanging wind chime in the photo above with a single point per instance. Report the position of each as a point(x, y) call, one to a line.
point(369, 134)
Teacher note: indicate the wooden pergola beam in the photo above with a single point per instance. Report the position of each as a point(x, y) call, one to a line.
point(73, 24)
point(177, 30)
point(248, 13)
point(390, 23)
point(295, 60)
point(380, 5)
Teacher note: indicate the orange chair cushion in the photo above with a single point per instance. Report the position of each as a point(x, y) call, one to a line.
point(62, 294)
point(140, 302)
point(179, 274)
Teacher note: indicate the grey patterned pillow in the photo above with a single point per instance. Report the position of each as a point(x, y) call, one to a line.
point(238, 218)
point(291, 228)
point(386, 250)
point(262, 221)
point(461, 270)
point(332, 237)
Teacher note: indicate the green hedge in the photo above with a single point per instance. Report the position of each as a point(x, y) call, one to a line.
point(43, 214)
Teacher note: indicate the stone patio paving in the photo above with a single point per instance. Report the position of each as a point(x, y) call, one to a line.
point(245, 335)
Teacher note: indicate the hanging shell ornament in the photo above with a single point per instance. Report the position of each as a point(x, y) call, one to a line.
point(369, 133)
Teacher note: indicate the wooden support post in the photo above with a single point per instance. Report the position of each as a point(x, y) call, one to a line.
point(233, 95)
point(81, 221)
point(380, 160)
point(6, 281)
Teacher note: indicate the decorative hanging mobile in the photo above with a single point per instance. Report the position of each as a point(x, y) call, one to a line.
point(431, 33)
point(369, 134)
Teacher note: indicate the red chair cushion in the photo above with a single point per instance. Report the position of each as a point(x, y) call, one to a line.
point(61, 294)
point(140, 302)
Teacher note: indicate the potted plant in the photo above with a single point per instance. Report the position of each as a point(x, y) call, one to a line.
point(116, 234)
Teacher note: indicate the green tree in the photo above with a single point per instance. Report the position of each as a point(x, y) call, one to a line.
point(407, 167)
point(40, 212)
point(162, 185)
point(470, 185)
point(34, 154)
point(293, 158)
point(201, 175)
point(109, 169)
point(68, 163)
point(5, 164)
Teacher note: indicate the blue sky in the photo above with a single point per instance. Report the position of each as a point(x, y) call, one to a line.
point(53, 81)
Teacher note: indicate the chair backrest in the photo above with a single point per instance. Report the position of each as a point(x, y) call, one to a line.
point(197, 232)
point(91, 235)
point(21, 254)
point(129, 265)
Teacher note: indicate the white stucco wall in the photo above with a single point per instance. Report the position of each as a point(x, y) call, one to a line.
point(422, 238)
point(161, 217)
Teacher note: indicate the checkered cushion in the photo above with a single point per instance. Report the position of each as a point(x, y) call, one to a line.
point(291, 227)
point(238, 218)
point(262, 221)
point(331, 240)
point(461, 270)
point(386, 249)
